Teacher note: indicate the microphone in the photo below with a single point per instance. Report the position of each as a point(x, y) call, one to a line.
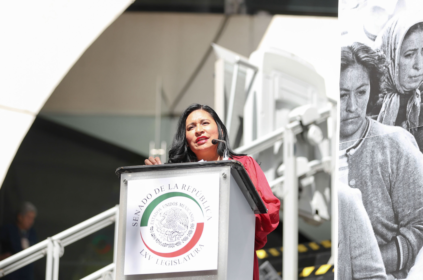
point(225, 153)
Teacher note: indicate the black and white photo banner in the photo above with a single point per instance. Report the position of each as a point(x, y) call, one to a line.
point(381, 140)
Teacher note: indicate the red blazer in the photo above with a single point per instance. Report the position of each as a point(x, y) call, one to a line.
point(265, 223)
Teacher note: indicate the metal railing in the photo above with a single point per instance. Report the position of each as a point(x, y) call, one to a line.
point(53, 247)
point(105, 273)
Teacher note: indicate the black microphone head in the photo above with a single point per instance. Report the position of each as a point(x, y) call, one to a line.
point(214, 141)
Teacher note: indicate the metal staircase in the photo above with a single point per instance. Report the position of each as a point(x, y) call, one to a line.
point(285, 186)
point(54, 247)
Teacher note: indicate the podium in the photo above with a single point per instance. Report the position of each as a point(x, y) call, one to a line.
point(187, 221)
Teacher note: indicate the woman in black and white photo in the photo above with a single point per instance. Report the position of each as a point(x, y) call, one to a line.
point(383, 162)
point(402, 43)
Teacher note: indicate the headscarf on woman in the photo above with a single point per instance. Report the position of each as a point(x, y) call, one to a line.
point(389, 42)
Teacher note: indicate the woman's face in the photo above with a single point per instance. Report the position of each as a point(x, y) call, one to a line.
point(355, 93)
point(200, 130)
point(411, 61)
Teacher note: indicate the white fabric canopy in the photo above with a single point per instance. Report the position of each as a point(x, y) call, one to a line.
point(41, 40)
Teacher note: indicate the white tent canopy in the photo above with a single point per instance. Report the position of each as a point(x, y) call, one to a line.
point(41, 40)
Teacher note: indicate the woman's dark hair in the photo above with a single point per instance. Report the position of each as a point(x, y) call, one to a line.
point(180, 151)
point(374, 62)
point(414, 28)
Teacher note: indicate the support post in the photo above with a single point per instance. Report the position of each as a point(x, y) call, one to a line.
point(219, 88)
point(290, 209)
point(56, 259)
point(158, 112)
point(115, 247)
point(333, 190)
point(232, 98)
point(49, 265)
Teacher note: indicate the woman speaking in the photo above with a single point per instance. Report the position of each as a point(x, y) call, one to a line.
point(197, 127)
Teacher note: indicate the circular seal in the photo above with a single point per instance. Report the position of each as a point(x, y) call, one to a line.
point(172, 224)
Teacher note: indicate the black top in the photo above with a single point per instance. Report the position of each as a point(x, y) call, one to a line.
point(237, 170)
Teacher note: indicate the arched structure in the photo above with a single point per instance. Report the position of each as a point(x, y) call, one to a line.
point(41, 40)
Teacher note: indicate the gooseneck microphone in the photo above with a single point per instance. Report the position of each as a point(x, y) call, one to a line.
point(225, 153)
point(214, 141)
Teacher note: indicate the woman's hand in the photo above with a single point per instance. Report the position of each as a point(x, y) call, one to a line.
point(152, 161)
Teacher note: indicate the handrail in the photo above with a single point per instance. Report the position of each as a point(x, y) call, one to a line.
point(99, 273)
point(107, 217)
point(22, 255)
point(268, 140)
point(66, 237)
point(315, 167)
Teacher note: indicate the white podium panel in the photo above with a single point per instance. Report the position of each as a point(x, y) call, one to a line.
point(187, 221)
point(172, 224)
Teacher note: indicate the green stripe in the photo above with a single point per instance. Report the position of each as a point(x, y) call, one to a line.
point(155, 202)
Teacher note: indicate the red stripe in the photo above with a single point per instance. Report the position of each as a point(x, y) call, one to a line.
point(197, 234)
